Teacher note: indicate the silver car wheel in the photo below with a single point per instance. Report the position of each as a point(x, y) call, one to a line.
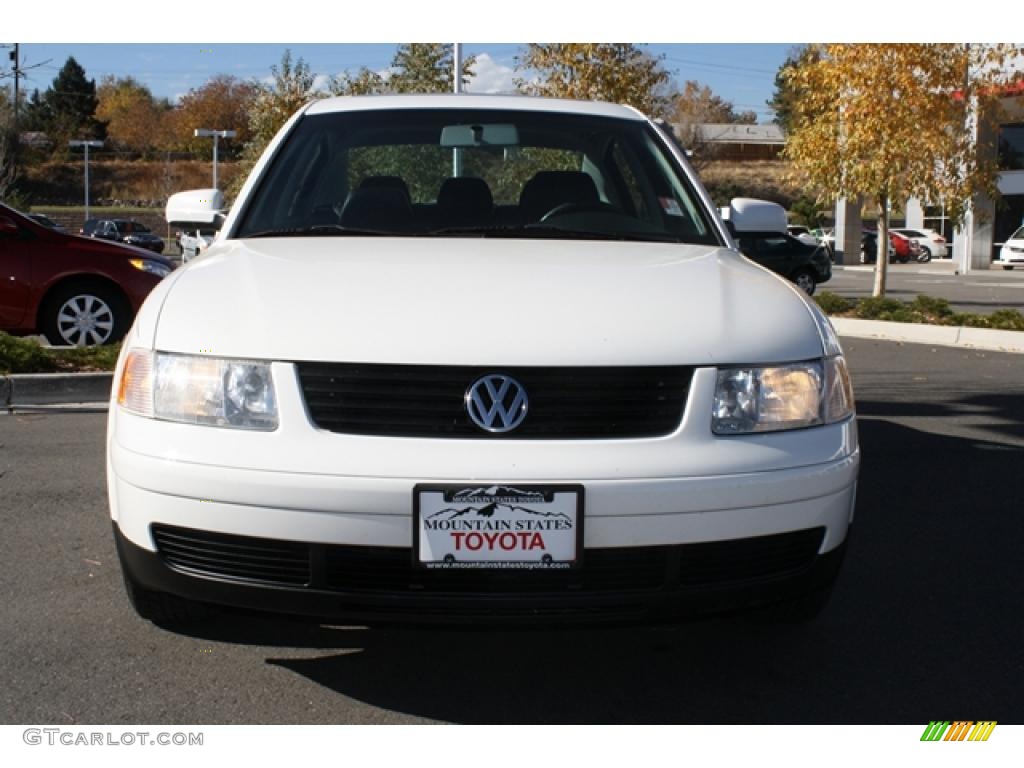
point(805, 282)
point(85, 320)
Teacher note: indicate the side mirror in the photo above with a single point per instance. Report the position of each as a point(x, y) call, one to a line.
point(749, 215)
point(196, 207)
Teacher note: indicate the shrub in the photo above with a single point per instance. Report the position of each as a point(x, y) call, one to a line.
point(28, 356)
point(1007, 320)
point(23, 356)
point(832, 304)
point(929, 305)
point(881, 308)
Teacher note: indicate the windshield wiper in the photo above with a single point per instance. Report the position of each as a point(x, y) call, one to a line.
point(323, 230)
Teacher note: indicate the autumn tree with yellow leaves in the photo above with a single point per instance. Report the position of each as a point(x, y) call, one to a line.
point(622, 73)
point(886, 122)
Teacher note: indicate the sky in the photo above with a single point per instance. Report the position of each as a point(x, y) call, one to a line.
point(743, 74)
point(734, 47)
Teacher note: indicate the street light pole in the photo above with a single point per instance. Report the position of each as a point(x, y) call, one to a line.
point(216, 135)
point(86, 144)
point(456, 88)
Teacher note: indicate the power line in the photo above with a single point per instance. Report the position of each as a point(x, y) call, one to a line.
point(714, 65)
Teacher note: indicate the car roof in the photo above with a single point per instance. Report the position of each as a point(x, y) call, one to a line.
point(471, 101)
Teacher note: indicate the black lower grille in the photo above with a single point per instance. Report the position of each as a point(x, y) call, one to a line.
point(234, 557)
point(429, 401)
point(390, 570)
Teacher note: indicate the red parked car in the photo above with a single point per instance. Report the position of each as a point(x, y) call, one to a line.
point(906, 249)
point(74, 290)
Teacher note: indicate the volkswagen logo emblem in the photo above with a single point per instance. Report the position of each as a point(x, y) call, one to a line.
point(496, 403)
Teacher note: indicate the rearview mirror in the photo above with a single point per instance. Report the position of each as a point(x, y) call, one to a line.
point(480, 135)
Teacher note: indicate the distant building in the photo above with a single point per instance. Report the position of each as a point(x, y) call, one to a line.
point(990, 225)
point(34, 139)
point(734, 141)
point(987, 225)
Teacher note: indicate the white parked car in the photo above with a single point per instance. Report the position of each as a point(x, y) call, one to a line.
point(932, 244)
point(802, 233)
point(1011, 252)
point(478, 359)
point(197, 213)
point(192, 242)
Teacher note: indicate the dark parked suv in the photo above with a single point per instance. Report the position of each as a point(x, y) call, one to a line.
point(124, 231)
point(72, 289)
point(806, 265)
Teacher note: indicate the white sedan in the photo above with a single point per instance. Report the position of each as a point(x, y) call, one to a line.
point(932, 244)
point(1011, 253)
point(478, 359)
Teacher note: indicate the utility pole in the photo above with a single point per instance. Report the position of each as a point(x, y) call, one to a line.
point(15, 130)
point(456, 88)
point(216, 134)
point(17, 74)
point(457, 68)
point(86, 144)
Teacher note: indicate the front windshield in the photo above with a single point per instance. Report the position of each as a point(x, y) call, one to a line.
point(490, 173)
point(1018, 235)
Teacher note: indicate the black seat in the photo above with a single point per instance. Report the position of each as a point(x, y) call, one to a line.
point(378, 208)
point(549, 189)
point(464, 202)
point(387, 182)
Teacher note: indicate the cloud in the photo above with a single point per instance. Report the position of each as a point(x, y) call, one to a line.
point(320, 82)
point(490, 76)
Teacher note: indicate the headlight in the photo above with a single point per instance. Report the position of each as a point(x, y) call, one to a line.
point(772, 398)
point(199, 390)
point(153, 267)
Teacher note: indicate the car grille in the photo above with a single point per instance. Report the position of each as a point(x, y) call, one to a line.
point(390, 570)
point(429, 401)
point(233, 557)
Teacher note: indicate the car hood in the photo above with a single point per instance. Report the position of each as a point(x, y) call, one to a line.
point(108, 248)
point(462, 301)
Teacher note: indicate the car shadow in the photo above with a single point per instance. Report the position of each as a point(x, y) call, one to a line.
point(924, 622)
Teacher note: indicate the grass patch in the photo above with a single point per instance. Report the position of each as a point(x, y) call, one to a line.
point(923, 309)
point(29, 356)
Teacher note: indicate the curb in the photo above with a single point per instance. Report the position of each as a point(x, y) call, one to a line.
point(941, 335)
point(45, 389)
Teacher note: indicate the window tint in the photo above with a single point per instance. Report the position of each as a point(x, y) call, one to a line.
point(1011, 147)
point(390, 172)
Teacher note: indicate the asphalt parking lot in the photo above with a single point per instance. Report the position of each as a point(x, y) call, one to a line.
point(981, 291)
point(925, 622)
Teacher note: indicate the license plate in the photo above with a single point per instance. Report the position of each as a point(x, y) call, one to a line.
point(525, 527)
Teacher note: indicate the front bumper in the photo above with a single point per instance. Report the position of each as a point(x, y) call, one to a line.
point(682, 524)
point(378, 586)
point(653, 549)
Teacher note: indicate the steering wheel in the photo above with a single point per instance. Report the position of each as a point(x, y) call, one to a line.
point(566, 209)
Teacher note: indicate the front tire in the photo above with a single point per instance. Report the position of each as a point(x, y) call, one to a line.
point(805, 281)
point(1007, 267)
point(85, 315)
point(162, 608)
